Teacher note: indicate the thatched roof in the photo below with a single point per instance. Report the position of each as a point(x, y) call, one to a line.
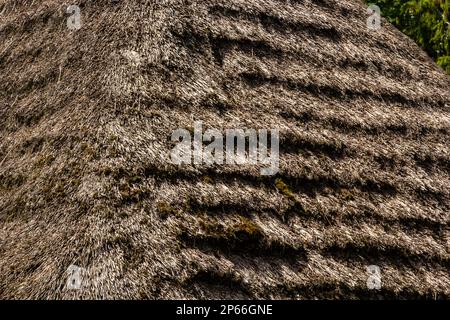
point(85, 124)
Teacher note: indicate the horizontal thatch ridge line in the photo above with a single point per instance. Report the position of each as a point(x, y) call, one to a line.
point(393, 255)
point(14, 123)
point(398, 153)
point(325, 272)
point(346, 34)
point(319, 154)
point(406, 130)
point(284, 205)
point(337, 143)
point(302, 182)
point(221, 45)
point(409, 225)
point(343, 125)
point(340, 148)
point(47, 16)
point(294, 144)
point(213, 283)
point(382, 180)
point(342, 290)
point(432, 164)
point(311, 233)
point(271, 22)
point(327, 5)
point(30, 81)
point(318, 10)
point(254, 79)
point(339, 119)
point(332, 150)
point(297, 183)
point(367, 243)
point(293, 71)
point(248, 245)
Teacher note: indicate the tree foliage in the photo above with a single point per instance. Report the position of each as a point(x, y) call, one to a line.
point(425, 21)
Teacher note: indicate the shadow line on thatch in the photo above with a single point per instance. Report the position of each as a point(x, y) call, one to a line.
point(253, 79)
point(380, 254)
point(277, 24)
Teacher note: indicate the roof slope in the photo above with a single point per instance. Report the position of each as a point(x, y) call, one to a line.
point(85, 124)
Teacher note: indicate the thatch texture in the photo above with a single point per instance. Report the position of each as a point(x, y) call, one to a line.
point(85, 123)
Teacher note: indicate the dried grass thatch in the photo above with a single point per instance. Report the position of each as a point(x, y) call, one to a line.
point(85, 124)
